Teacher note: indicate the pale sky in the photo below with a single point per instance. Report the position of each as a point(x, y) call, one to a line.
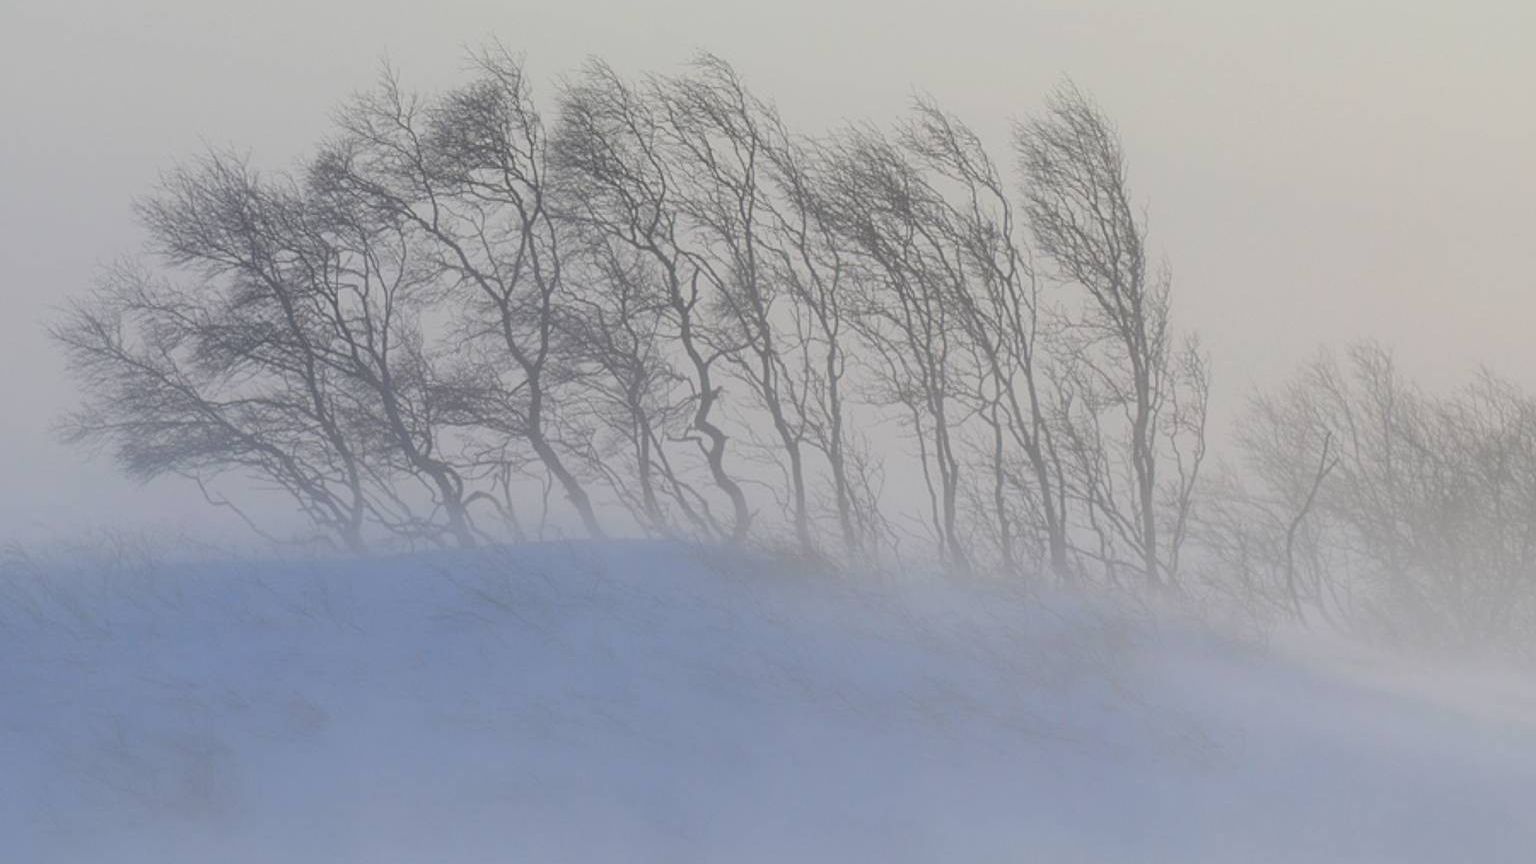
point(1313, 171)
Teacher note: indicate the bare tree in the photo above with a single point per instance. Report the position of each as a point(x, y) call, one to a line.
point(723, 137)
point(803, 252)
point(1132, 394)
point(229, 377)
point(467, 173)
point(664, 301)
point(999, 306)
point(615, 328)
point(618, 151)
point(903, 267)
point(1416, 507)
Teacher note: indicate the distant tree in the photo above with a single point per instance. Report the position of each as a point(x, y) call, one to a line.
point(1411, 511)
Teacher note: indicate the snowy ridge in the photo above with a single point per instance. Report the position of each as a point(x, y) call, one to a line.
point(636, 702)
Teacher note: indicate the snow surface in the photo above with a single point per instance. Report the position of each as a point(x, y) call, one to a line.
point(644, 702)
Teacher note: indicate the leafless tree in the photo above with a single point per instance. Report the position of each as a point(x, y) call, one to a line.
point(1418, 507)
point(668, 300)
point(235, 374)
point(998, 304)
point(1137, 404)
point(615, 329)
point(618, 149)
point(803, 252)
point(721, 135)
point(903, 265)
point(466, 172)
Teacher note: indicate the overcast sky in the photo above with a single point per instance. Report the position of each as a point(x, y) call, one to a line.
point(1313, 171)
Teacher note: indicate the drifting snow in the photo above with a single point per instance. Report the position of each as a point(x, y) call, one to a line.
point(644, 702)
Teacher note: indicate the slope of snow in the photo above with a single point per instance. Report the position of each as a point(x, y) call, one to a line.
point(639, 702)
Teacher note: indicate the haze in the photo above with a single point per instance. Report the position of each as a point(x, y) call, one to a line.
point(1315, 172)
point(780, 487)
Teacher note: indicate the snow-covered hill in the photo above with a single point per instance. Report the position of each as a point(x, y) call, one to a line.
point(635, 702)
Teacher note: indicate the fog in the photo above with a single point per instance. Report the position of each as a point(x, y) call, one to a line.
point(598, 430)
point(1314, 172)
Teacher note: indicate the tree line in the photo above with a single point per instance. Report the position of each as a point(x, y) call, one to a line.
point(649, 305)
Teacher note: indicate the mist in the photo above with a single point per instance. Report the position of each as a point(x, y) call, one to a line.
point(1317, 172)
point(1140, 396)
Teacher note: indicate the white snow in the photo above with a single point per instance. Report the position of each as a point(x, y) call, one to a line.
point(643, 702)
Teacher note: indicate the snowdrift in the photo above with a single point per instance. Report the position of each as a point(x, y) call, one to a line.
point(646, 702)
